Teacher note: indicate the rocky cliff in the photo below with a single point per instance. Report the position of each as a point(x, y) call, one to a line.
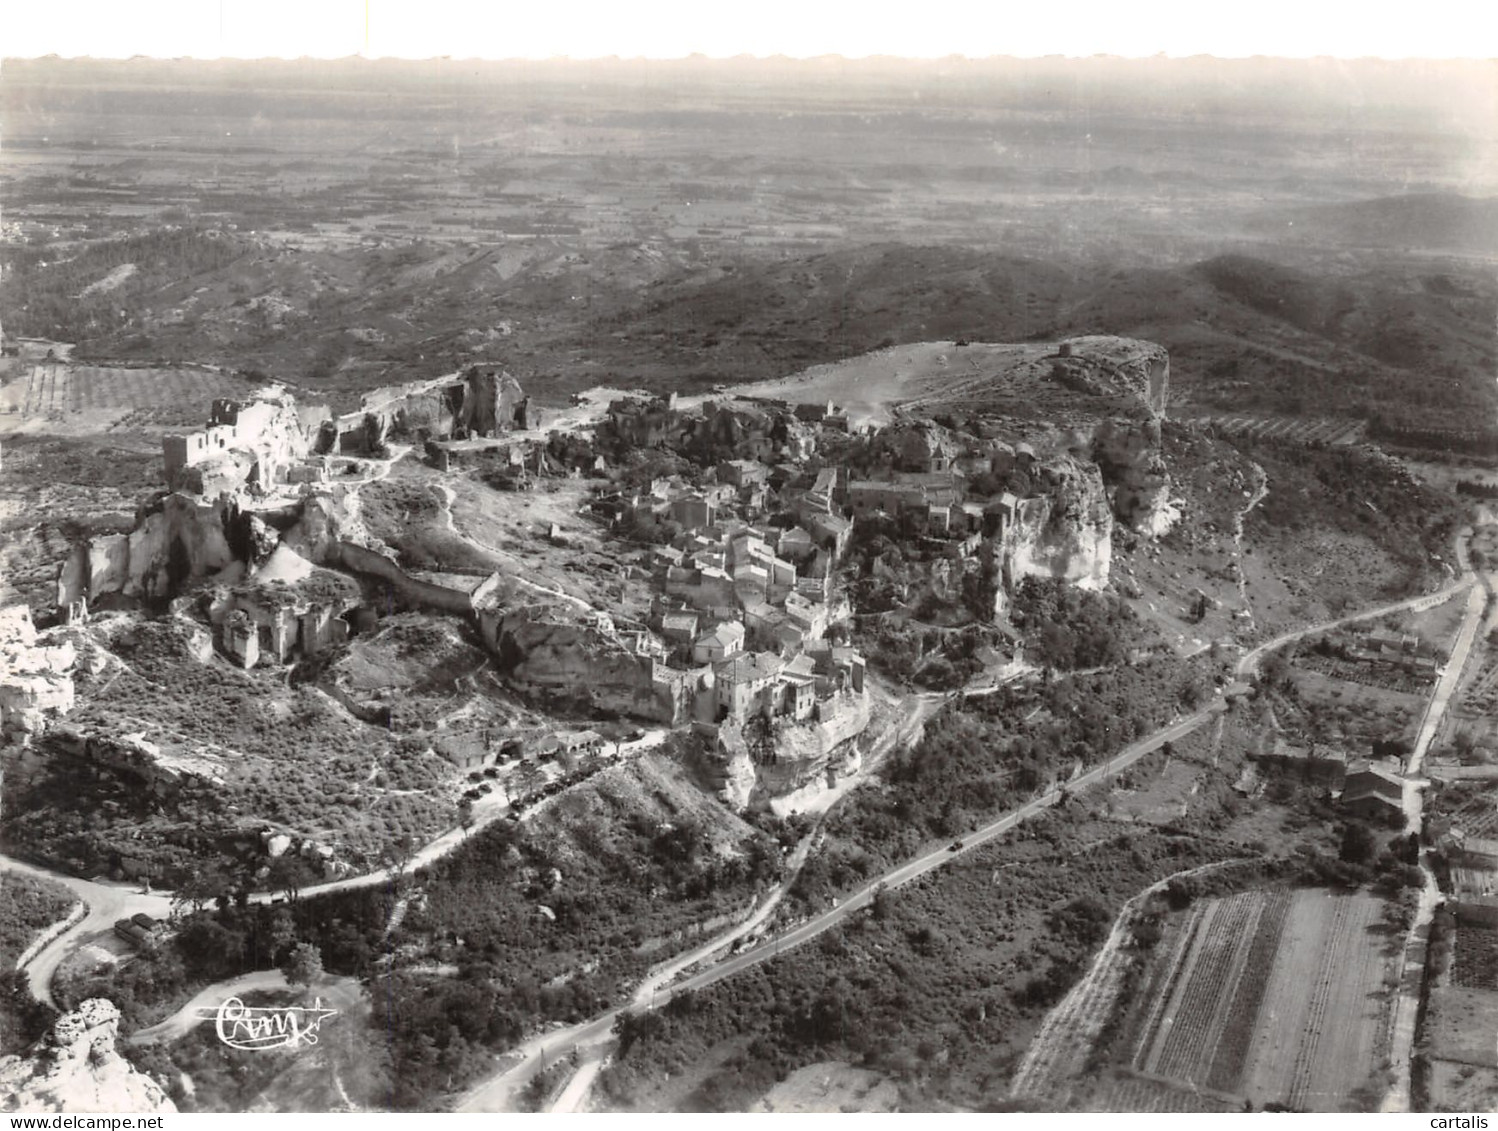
point(484, 402)
point(76, 1068)
point(577, 660)
point(1129, 455)
point(36, 678)
point(1064, 531)
point(177, 538)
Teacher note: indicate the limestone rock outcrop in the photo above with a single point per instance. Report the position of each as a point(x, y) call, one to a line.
point(1133, 466)
point(77, 1068)
point(570, 655)
point(177, 538)
point(35, 676)
point(1064, 532)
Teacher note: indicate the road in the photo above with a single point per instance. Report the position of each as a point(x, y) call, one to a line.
point(535, 1053)
point(106, 904)
point(1450, 677)
point(581, 1083)
point(1412, 971)
point(336, 993)
point(435, 849)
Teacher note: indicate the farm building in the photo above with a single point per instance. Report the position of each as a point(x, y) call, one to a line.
point(576, 743)
point(1478, 852)
point(1373, 791)
point(1318, 763)
point(465, 751)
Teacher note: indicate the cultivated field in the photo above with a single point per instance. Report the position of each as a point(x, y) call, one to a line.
point(1303, 430)
point(1273, 997)
point(52, 396)
point(1354, 714)
point(1460, 1028)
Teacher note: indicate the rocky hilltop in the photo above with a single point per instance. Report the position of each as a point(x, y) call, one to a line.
point(76, 1068)
point(1051, 382)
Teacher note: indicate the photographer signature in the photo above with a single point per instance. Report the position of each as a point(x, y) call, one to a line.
point(243, 1026)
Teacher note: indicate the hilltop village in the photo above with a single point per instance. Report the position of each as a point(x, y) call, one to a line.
point(730, 520)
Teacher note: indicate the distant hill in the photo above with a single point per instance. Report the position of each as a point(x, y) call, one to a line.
point(1357, 338)
point(1419, 221)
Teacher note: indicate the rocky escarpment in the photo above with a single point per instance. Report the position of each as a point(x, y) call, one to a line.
point(485, 402)
point(566, 655)
point(1103, 365)
point(77, 1068)
point(177, 538)
point(1064, 531)
point(809, 757)
point(36, 680)
point(1132, 463)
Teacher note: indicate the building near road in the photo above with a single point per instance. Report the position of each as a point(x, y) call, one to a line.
point(1373, 791)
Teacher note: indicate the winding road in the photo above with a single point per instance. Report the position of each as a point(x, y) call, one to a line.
point(592, 1037)
point(107, 903)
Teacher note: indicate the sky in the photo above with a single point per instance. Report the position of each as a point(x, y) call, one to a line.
point(498, 29)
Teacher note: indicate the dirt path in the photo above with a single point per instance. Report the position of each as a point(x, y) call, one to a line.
point(1260, 493)
point(1058, 1053)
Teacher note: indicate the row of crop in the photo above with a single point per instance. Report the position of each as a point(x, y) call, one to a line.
point(1134, 1093)
point(1320, 991)
point(1475, 958)
point(1231, 1057)
point(1188, 1043)
point(1180, 967)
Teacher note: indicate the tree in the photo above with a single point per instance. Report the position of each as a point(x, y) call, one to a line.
point(303, 966)
point(398, 855)
point(1358, 845)
point(204, 886)
point(289, 874)
point(280, 933)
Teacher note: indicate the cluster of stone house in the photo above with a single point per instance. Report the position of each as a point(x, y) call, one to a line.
point(1473, 857)
point(254, 444)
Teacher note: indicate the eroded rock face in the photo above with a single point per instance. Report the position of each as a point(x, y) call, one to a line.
point(1141, 367)
point(76, 1068)
point(177, 538)
point(1133, 466)
point(1065, 532)
point(36, 680)
point(574, 659)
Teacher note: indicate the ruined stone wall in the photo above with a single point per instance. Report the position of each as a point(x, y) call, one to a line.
point(411, 590)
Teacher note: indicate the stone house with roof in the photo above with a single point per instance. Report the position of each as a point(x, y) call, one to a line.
point(719, 643)
point(1373, 791)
